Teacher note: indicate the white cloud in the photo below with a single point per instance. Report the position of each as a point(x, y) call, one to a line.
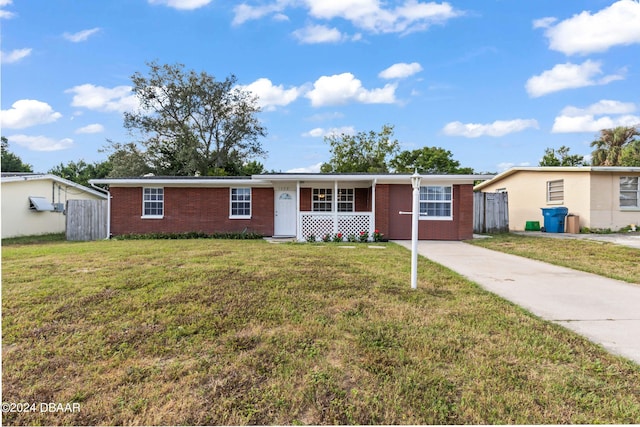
point(41, 143)
point(321, 132)
point(411, 15)
point(81, 36)
point(271, 96)
point(92, 128)
point(604, 106)
point(505, 166)
point(603, 114)
point(313, 34)
point(400, 70)
point(344, 88)
point(618, 24)
point(569, 76)
point(544, 22)
point(309, 169)
point(182, 4)
point(119, 98)
point(497, 128)
point(27, 112)
point(244, 12)
point(14, 56)
point(5, 14)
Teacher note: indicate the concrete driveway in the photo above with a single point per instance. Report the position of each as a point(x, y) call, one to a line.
point(606, 311)
point(626, 239)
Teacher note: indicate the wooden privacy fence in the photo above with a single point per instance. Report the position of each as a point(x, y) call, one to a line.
point(86, 219)
point(490, 212)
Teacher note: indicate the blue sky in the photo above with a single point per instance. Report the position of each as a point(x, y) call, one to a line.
point(493, 81)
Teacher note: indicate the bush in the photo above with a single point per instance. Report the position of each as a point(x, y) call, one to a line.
point(234, 235)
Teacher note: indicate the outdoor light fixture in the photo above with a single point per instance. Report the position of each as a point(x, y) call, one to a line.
point(415, 212)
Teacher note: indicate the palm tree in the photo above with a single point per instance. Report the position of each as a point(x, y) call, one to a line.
point(608, 149)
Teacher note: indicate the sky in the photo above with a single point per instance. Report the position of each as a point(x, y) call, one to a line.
point(495, 82)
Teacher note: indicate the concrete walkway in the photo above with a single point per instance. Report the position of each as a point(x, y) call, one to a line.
point(606, 311)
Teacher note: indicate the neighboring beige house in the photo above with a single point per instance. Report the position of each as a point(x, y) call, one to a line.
point(34, 204)
point(603, 197)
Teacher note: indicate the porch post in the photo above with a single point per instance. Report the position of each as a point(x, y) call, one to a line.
point(372, 225)
point(415, 212)
point(334, 205)
point(299, 235)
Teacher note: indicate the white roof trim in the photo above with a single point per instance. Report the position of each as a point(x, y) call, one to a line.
point(568, 169)
point(66, 182)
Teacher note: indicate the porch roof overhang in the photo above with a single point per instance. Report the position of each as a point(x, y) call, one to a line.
point(378, 178)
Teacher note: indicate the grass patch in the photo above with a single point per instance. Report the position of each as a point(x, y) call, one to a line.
point(602, 258)
point(37, 239)
point(195, 332)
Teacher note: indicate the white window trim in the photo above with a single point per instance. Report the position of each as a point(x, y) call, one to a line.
point(326, 203)
point(629, 208)
point(352, 202)
point(438, 218)
point(231, 201)
point(143, 216)
point(555, 202)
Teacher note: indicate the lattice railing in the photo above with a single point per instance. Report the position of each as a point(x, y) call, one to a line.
point(349, 223)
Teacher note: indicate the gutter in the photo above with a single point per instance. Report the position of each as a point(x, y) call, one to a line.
point(102, 190)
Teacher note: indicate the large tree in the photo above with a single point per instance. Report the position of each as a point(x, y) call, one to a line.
point(10, 161)
point(191, 123)
point(561, 157)
point(428, 160)
point(364, 152)
point(81, 172)
point(611, 144)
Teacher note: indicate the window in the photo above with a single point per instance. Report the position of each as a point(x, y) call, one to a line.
point(345, 200)
point(555, 191)
point(153, 202)
point(321, 199)
point(240, 203)
point(629, 192)
point(435, 202)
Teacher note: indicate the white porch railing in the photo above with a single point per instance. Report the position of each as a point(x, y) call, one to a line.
point(319, 224)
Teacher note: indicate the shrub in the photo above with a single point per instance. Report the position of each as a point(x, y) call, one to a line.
point(235, 235)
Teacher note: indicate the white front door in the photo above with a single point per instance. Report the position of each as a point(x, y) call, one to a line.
point(285, 213)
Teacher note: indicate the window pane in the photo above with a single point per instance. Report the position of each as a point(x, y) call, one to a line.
point(153, 201)
point(435, 201)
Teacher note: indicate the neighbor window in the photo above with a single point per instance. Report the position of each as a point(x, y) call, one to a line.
point(322, 199)
point(345, 200)
point(436, 202)
point(629, 192)
point(240, 203)
point(555, 191)
point(152, 202)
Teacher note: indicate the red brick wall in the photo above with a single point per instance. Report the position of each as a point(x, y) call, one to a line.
point(460, 228)
point(190, 209)
point(382, 209)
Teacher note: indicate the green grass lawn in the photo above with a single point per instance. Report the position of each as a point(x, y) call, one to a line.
point(247, 332)
point(602, 258)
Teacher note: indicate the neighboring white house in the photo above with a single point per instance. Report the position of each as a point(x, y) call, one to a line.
point(603, 197)
point(34, 204)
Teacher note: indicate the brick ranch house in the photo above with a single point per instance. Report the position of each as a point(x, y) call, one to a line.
point(292, 205)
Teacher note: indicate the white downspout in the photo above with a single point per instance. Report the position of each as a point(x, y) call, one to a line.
point(108, 208)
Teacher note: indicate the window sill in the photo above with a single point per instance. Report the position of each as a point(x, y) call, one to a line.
point(436, 218)
point(630, 209)
point(240, 217)
point(152, 217)
point(555, 202)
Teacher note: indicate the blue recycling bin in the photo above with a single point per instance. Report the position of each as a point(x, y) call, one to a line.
point(554, 219)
